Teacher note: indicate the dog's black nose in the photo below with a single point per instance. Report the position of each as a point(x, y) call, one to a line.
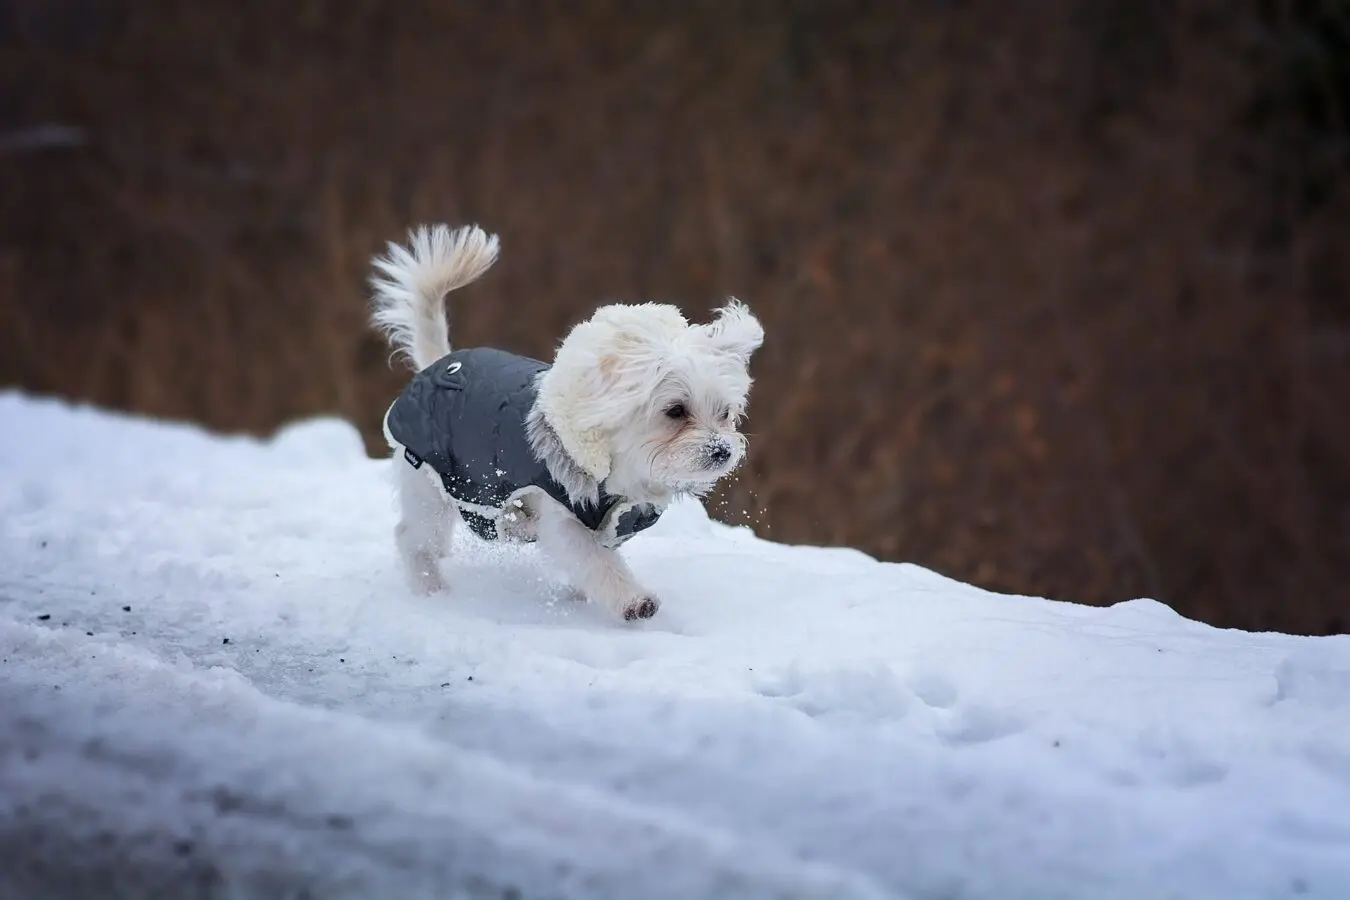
point(719, 452)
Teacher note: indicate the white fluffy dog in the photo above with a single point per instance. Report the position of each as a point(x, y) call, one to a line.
point(637, 407)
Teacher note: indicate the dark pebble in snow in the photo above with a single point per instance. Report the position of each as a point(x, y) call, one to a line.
point(89, 634)
point(471, 678)
point(341, 659)
point(224, 640)
point(126, 609)
point(445, 684)
point(44, 617)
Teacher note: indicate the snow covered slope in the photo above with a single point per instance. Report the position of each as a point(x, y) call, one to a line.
point(211, 676)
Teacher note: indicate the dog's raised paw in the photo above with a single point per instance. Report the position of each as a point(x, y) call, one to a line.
point(641, 609)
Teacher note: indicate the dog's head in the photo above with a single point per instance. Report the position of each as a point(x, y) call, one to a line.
point(643, 399)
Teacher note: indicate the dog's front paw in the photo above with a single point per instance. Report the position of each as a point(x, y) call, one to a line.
point(424, 575)
point(641, 608)
point(427, 581)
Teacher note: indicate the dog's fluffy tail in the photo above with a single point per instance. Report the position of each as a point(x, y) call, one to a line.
point(410, 284)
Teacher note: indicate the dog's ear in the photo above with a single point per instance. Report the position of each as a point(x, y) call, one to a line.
point(735, 330)
point(572, 400)
point(602, 374)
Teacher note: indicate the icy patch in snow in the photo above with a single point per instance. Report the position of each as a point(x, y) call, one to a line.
point(212, 675)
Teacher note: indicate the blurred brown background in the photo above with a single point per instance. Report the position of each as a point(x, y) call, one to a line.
point(1055, 291)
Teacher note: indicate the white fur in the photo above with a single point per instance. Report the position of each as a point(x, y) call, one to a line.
point(605, 413)
point(410, 297)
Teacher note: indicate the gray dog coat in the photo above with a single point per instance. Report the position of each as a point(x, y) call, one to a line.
point(464, 416)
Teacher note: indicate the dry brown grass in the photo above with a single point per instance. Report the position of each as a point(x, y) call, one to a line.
point(1038, 315)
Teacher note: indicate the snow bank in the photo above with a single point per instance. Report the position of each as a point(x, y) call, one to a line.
point(127, 776)
point(213, 682)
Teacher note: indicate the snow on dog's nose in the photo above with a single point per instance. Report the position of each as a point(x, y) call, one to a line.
point(718, 452)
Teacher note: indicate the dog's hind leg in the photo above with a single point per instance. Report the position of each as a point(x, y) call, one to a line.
point(426, 522)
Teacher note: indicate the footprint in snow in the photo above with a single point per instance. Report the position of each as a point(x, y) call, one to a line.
point(976, 724)
point(934, 690)
point(859, 694)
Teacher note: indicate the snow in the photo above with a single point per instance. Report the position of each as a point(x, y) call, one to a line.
point(212, 680)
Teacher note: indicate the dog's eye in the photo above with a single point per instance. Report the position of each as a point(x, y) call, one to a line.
point(677, 411)
point(726, 413)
